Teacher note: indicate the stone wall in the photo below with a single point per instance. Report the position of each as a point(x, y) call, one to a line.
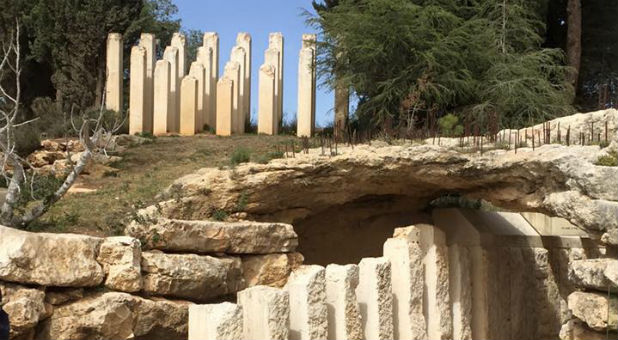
point(471, 275)
point(67, 286)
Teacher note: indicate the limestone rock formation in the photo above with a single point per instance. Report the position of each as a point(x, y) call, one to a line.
point(65, 260)
point(26, 307)
point(117, 315)
point(58, 296)
point(553, 179)
point(595, 309)
point(269, 270)
point(577, 330)
point(599, 274)
point(120, 258)
point(190, 276)
point(243, 237)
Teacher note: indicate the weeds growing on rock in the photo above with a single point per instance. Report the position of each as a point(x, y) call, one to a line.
point(240, 155)
point(611, 159)
point(219, 215)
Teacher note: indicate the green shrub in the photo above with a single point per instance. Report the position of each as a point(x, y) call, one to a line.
point(611, 159)
point(240, 155)
point(26, 140)
point(219, 215)
point(267, 157)
point(449, 125)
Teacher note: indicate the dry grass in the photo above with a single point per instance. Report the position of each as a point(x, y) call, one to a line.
point(144, 172)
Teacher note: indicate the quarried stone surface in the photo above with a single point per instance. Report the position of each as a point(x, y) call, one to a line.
point(308, 313)
point(270, 269)
point(138, 120)
point(120, 257)
point(306, 90)
point(243, 237)
point(275, 42)
point(188, 106)
point(225, 106)
point(114, 72)
point(266, 313)
point(267, 98)
point(25, 307)
point(344, 318)
point(375, 298)
point(599, 274)
point(116, 315)
point(161, 108)
point(593, 308)
point(190, 276)
point(576, 330)
point(221, 321)
point(65, 260)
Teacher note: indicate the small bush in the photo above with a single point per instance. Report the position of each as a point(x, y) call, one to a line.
point(267, 157)
point(449, 125)
point(147, 135)
point(611, 159)
point(240, 155)
point(26, 140)
point(219, 215)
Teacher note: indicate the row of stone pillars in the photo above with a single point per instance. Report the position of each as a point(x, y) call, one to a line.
point(164, 98)
point(402, 295)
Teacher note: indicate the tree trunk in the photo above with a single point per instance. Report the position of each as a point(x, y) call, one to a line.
point(342, 108)
point(574, 38)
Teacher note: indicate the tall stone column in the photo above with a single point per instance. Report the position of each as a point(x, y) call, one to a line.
point(308, 313)
point(180, 42)
point(406, 257)
point(272, 56)
point(147, 41)
point(222, 321)
point(225, 106)
point(344, 318)
point(310, 41)
point(304, 119)
point(266, 313)
point(266, 100)
point(188, 106)
point(375, 298)
point(275, 41)
point(173, 118)
point(114, 73)
point(211, 41)
point(161, 97)
point(197, 71)
point(232, 71)
point(137, 88)
point(243, 40)
point(204, 57)
point(239, 55)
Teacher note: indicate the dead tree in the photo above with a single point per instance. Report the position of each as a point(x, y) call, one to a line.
point(93, 135)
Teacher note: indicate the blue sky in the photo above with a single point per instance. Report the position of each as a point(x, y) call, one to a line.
point(259, 18)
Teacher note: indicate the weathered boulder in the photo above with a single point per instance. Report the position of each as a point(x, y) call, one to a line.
point(576, 330)
point(117, 315)
point(25, 307)
point(66, 260)
point(121, 257)
point(216, 237)
point(190, 276)
point(593, 309)
point(599, 274)
point(57, 296)
point(271, 269)
point(552, 179)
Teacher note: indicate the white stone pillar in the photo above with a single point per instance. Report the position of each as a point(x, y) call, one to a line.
point(460, 268)
point(225, 106)
point(406, 257)
point(275, 41)
point(137, 90)
point(211, 41)
point(221, 321)
point(197, 71)
point(272, 56)
point(344, 319)
point(204, 56)
point(114, 72)
point(173, 118)
point(232, 71)
point(304, 118)
point(148, 42)
point(180, 42)
point(161, 97)
point(188, 106)
point(375, 298)
point(310, 41)
point(308, 314)
point(438, 312)
point(243, 40)
point(266, 312)
point(239, 55)
point(266, 100)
